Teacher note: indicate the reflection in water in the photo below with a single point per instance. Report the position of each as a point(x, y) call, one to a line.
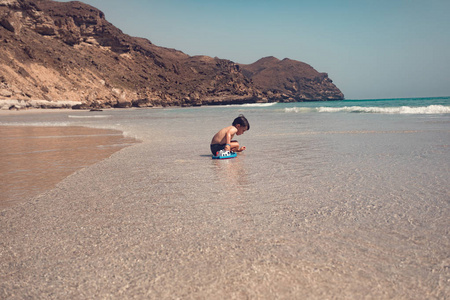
point(237, 190)
point(34, 159)
point(231, 173)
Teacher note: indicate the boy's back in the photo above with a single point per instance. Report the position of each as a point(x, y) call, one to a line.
point(221, 136)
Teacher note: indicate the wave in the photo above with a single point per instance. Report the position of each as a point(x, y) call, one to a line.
point(253, 104)
point(259, 104)
point(300, 109)
point(431, 109)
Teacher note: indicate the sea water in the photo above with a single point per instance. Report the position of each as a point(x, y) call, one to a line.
point(34, 158)
point(346, 199)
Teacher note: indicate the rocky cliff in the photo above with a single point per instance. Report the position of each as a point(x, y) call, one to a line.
point(290, 80)
point(54, 52)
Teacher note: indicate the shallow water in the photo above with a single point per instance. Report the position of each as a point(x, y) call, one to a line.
point(34, 159)
point(321, 205)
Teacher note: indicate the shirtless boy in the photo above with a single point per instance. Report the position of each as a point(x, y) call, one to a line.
point(222, 139)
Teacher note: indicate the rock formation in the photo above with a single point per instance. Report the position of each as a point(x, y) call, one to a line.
point(66, 51)
point(289, 80)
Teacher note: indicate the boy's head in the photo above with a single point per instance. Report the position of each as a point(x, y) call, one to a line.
point(242, 122)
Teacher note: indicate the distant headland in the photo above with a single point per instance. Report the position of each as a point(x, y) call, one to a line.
point(65, 54)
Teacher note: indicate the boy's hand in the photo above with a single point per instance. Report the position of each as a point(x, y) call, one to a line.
point(241, 149)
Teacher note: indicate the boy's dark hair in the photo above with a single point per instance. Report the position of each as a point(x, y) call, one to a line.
point(241, 120)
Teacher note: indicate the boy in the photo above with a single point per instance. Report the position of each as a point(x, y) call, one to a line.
point(222, 139)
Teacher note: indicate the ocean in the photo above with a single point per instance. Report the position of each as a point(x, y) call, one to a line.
point(331, 200)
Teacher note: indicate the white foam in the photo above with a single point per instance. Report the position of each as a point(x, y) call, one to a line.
point(300, 109)
point(253, 104)
point(431, 109)
point(259, 104)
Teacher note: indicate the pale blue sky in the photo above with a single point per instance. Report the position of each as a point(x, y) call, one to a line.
point(370, 49)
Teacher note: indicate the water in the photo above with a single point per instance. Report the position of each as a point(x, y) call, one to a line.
point(344, 199)
point(34, 159)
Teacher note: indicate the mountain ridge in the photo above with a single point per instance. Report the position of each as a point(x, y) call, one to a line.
point(57, 51)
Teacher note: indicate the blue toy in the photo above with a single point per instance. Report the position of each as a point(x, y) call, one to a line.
point(224, 154)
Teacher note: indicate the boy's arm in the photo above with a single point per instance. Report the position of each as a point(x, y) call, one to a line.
point(230, 133)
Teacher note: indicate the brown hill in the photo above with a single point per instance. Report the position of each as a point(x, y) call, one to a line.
point(68, 51)
point(291, 80)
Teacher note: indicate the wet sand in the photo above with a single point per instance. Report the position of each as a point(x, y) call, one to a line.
point(34, 159)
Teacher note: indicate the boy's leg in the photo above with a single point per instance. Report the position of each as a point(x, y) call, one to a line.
point(234, 145)
point(216, 148)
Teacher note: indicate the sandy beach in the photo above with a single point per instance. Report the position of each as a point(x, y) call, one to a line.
point(346, 212)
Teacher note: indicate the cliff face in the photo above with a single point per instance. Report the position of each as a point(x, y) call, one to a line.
point(68, 51)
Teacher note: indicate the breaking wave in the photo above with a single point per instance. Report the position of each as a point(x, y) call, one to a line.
point(431, 109)
point(253, 104)
point(300, 109)
point(259, 104)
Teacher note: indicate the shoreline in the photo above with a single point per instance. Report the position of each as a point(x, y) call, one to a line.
point(9, 105)
point(10, 112)
point(15, 104)
point(31, 111)
point(35, 158)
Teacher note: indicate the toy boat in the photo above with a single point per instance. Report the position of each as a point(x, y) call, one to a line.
point(224, 155)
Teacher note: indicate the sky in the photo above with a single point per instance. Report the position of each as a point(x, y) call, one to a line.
point(371, 49)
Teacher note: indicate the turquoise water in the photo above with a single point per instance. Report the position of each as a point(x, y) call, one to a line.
point(346, 199)
point(439, 105)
